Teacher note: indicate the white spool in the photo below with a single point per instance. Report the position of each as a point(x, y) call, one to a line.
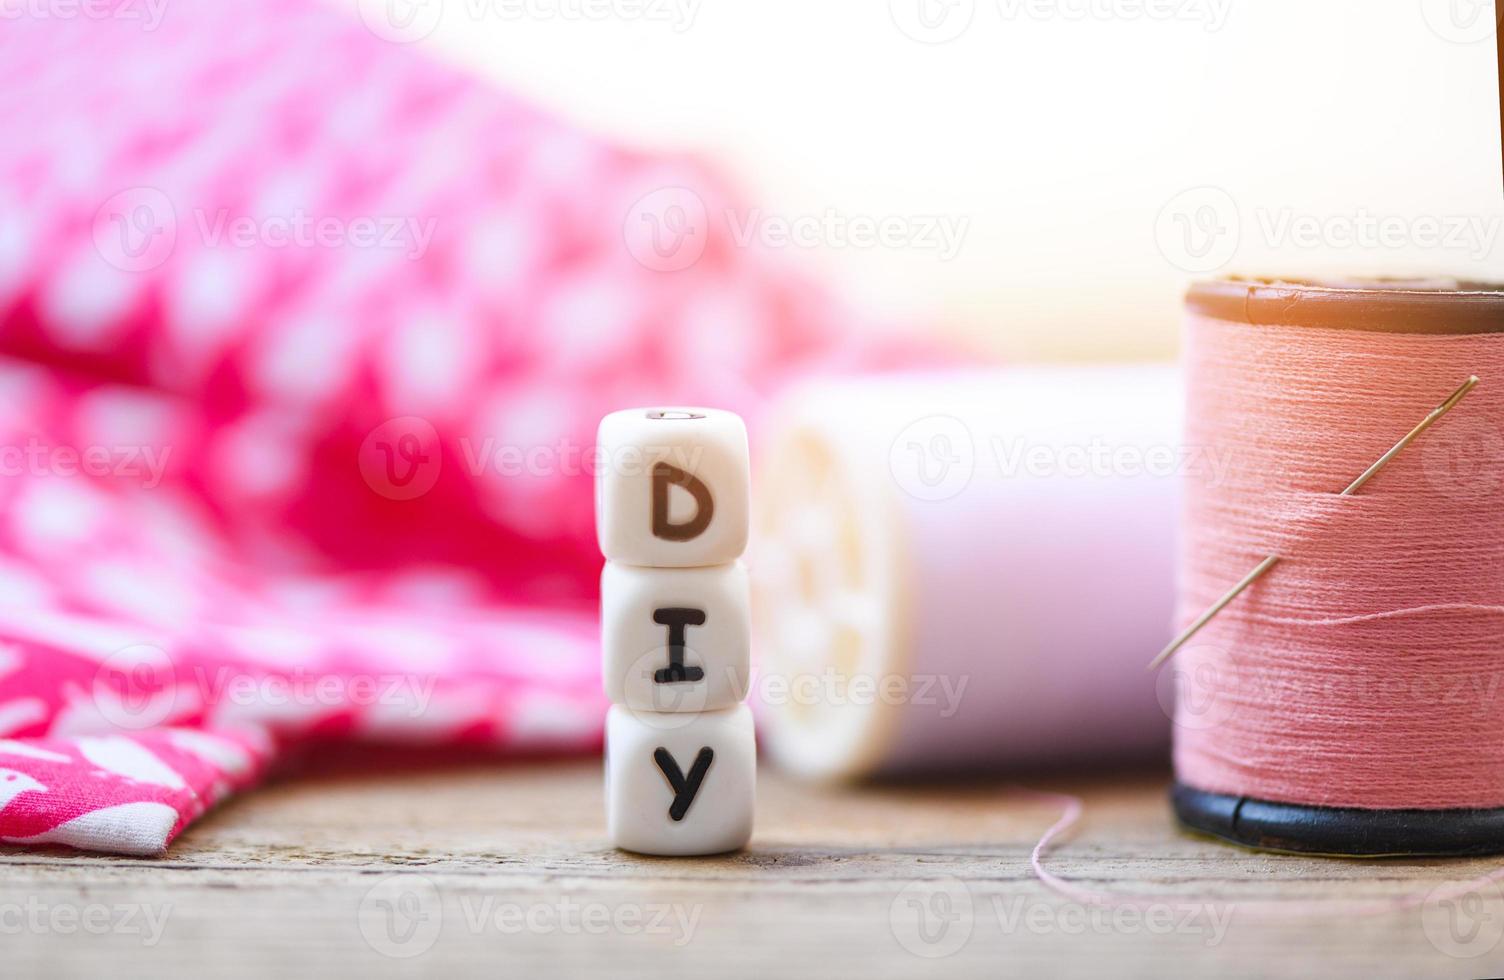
point(965, 570)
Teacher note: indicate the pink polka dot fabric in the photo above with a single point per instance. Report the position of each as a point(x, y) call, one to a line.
point(303, 339)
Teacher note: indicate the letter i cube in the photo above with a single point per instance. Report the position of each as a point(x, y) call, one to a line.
point(672, 496)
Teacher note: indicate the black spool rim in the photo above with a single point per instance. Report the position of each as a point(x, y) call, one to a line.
point(1299, 828)
point(1436, 306)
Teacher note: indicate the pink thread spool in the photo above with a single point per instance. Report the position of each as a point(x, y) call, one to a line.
point(1329, 709)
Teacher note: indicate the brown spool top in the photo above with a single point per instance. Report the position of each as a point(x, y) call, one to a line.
point(1427, 306)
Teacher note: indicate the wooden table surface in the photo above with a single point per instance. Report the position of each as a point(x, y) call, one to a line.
point(502, 870)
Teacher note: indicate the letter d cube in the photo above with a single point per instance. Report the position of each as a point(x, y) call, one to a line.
point(672, 487)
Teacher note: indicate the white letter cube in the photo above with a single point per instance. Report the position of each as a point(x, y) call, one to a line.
point(680, 784)
point(672, 487)
point(675, 639)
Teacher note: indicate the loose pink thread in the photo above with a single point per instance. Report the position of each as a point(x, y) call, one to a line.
point(1072, 809)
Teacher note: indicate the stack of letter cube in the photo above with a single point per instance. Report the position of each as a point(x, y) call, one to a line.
point(672, 515)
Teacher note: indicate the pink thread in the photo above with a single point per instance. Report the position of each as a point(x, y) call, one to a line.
point(1072, 809)
point(1367, 669)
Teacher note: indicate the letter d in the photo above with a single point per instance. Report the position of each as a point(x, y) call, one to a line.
point(665, 474)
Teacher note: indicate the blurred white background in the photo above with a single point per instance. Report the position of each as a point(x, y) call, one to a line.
point(1089, 157)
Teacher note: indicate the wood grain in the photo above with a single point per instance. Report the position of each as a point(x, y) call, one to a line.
point(502, 870)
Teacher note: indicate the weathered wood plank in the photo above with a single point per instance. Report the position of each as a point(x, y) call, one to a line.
point(503, 869)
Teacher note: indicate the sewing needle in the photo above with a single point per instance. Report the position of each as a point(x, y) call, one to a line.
point(1272, 560)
